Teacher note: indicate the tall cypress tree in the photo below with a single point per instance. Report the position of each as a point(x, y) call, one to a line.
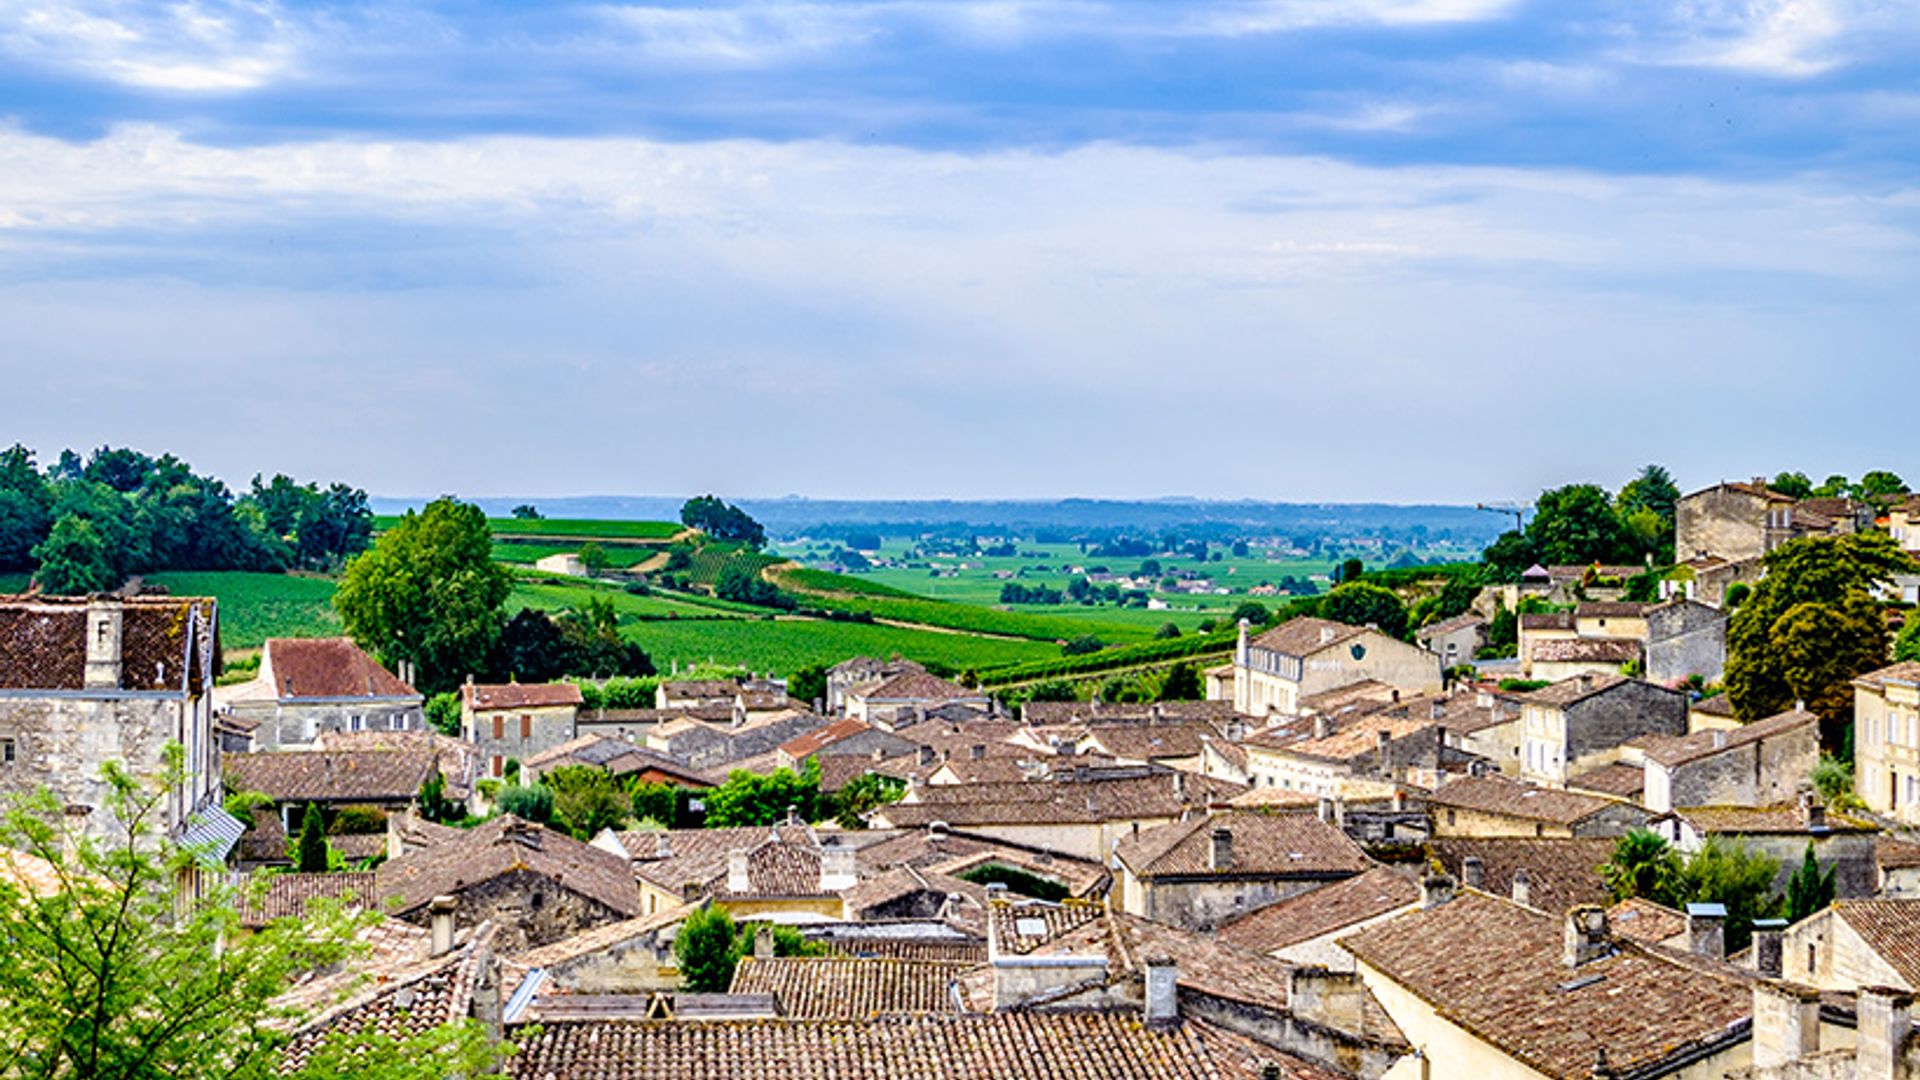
point(313, 842)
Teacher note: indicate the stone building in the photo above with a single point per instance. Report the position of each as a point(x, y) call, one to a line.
point(1783, 832)
point(1759, 764)
point(85, 681)
point(1201, 872)
point(308, 687)
point(1855, 944)
point(1582, 722)
point(1453, 640)
point(1495, 806)
point(1307, 656)
point(1685, 638)
point(518, 720)
point(1886, 737)
point(1742, 521)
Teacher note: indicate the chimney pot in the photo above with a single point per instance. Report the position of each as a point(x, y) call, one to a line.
point(763, 942)
point(1585, 937)
point(1473, 873)
point(1767, 939)
point(1706, 930)
point(440, 912)
point(1163, 991)
point(1523, 887)
point(1221, 856)
point(1815, 812)
point(1435, 889)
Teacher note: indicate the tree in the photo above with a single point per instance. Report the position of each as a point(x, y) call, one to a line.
point(26, 508)
point(744, 585)
point(1653, 490)
point(1362, 603)
point(849, 805)
point(107, 977)
point(1167, 632)
point(73, 561)
point(722, 522)
point(1251, 613)
point(1350, 570)
point(313, 842)
point(1810, 888)
point(1728, 873)
point(1082, 646)
point(1576, 525)
point(443, 713)
point(1907, 645)
point(526, 512)
point(749, 799)
point(428, 593)
point(1642, 865)
point(1509, 556)
point(1181, 684)
point(808, 684)
point(434, 804)
point(532, 802)
point(706, 949)
point(1881, 484)
point(587, 799)
point(1794, 485)
point(1810, 626)
point(593, 557)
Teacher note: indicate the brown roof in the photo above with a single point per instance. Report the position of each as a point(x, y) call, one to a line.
point(1021, 926)
point(507, 845)
point(675, 858)
point(1575, 688)
point(1351, 737)
point(819, 739)
point(1907, 672)
point(330, 775)
point(956, 853)
point(1680, 749)
point(1584, 650)
point(1361, 694)
point(1494, 968)
point(1322, 911)
point(617, 756)
point(459, 760)
point(1620, 780)
point(1306, 635)
point(1448, 626)
point(699, 689)
point(1263, 845)
point(163, 642)
point(1162, 795)
point(1072, 712)
point(1717, 705)
point(913, 686)
point(1547, 620)
point(287, 895)
point(1612, 609)
point(846, 988)
point(481, 697)
point(1147, 742)
point(1788, 819)
point(1499, 795)
point(405, 1004)
point(1004, 1046)
point(1639, 919)
point(1891, 928)
point(1894, 854)
point(308, 668)
point(1560, 872)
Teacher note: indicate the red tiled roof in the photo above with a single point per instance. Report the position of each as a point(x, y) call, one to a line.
point(481, 697)
point(846, 988)
point(330, 775)
point(1262, 845)
point(503, 846)
point(306, 668)
point(1306, 635)
point(818, 739)
point(43, 642)
point(1322, 911)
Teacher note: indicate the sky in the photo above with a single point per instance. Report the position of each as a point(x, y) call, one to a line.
point(1293, 250)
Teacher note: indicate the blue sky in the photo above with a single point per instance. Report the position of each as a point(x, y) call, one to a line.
point(1403, 250)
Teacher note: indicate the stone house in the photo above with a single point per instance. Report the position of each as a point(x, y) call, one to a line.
point(535, 886)
point(787, 873)
point(1453, 640)
point(307, 687)
point(617, 758)
point(1783, 833)
point(900, 701)
point(1581, 723)
point(85, 681)
point(1685, 638)
point(1307, 656)
point(859, 671)
point(518, 720)
point(1494, 806)
point(1759, 764)
point(846, 737)
point(1854, 944)
point(330, 779)
point(1355, 755)
point(1213, 867)
point(1741, 521)
point(1302, 929)
point(1899, 863)
point(1886, 735)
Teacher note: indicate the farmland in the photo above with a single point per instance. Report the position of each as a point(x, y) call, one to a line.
point(576, 530)
point(255, 607)
point(785, 644)
point(839, 593)
point(526, 554)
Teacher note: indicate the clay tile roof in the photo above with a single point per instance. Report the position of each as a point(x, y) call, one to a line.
point(1680, 749)
point(406, 1003)
point(330, 775)
point(504, 846)
point(1351, 696)
point(1621, 780)
point(1322, 911)
point(1021, 926)
point(1305, 635)
point(1612, 609)
point(1063, 801)
point(1584, 650)
point(1906, 672)
point(1448, 626)
point(845, 988)
point(813, 742)
point(1639, 919)
point(1005, 1046)
point(1499, 795)
point(305, 668)
point(1263, 845)
point(1891, 928)
point(1147, 742)
point(287, 895)
point(675, 858)
point(1494, 968)
point(165, 642)
point(914, 686)
point(1547, 620)
point(1786, 819)
point(616, 756)
point(1717, 705)
point(484, 696)
point(1351, 737)
point(699, 689)
point(1894, 854)
point(1577, 688)
point(1560, 872)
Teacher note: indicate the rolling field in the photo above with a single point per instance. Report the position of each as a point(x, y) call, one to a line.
point(837, 593)
point(255, 607)
point(787, 644)
point(522, 554)
point(574, 529)
point(546, 595)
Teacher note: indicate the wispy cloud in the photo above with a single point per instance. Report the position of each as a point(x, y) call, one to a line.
point(187, 46)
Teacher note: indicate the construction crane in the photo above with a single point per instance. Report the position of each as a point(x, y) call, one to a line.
point(1519, 514)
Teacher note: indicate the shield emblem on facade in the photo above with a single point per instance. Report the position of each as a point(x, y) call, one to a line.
point(1359, 651)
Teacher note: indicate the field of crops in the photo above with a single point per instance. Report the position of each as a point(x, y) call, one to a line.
point(787, 644)
point(522, 554)
point(970, 618)
point(1155, 652)
point(255, 607)
point(569, 528)
point(713, 559)
point(545, 595)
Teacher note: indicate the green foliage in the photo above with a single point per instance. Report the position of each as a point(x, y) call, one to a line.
point(533, 802)
point(26, 508)
point(1810, 888)
point(1349, 571)
point(257, 606)
point(839, 592)
point(313, 842)
point(429, 593)
point(1643, 588)
point(1575, 525)
point(358, 821)
point(593, 557)
point(73, 560)
point(242, 804)
point(1642, 865)
point(1737, 594)
point(808, 684)
point(434, 804)
point(443, 713)
point(788, 941)
point(1251, 612)
point(1794, 484)
point(1054, 690)
point(748, 799)
point(1719, 872)
point(1124, 656)
point(1811, 625)
point(666, 805)
point(1167, 632)
point(721, 521)
point(863, 793)
point(1362, 603)
point(1018, 881)
point(1522, 686)
point(706, 949)
point(1182, 684)
point(742, 584)
point(1907, 645)
point(1082, 646)
point(586, 800)
point(1833, 780)
point(526, 512)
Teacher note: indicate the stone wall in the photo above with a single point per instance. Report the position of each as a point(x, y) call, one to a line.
point(61, 741)
point(1686, 639)
point(529, 910)
point(287, 727)
point(1761, 773)
point(1202, 904)
point(1602, 722)
point(1720, 521)
point(549, 727)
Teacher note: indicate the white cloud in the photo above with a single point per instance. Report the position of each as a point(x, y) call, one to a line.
point(184, 45)
point(1785, 39)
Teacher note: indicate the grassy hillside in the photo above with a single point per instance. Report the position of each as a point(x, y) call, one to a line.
point(574, 529)
point(526, 554)
point(255, 607)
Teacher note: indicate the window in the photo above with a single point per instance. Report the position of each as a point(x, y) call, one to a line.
point(8, 752)
point(356, 722)
point(499, 729)
point(499, 763)
point(1813, 955)
point(1450, 817)
point(396, 722)
point(526, 726)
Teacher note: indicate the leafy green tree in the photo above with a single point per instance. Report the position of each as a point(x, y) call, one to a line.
point(428, 593)
point(749, 799)
point(1643, 865)
point(1810, 888)
point(722, 522)
point(1167, 632)
point(1253, 613)
point(587, 799)
point(1653, 490)
point(593, 557)
point(1833, 781)
point(313, 842)
point(531, 648)
point(443, 713)
point(1053, 690)
point(533, 802)
point(73, 561)
point(1794, 485)
point(808, 684)
point(1810, 626)
point(1349, 570)
point(1181, 684)
point(526, 512)
point(706, 949)
point(1880, 484)
point(744, 585)
point(434, 804)
point(1362, 603)
point(865, 792)
point(1907, 645)
point(592, 645)
point(1510, 555)
point(1833, 487)
point(1082, 646)
point(1576, 525)
point(26, 508)
point(1728, 873)
point(106, 977)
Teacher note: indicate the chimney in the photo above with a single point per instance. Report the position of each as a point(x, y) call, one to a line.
point(763, 942)
point(662, 846)
point(1396, 695)
point(1706, 930)
point(928, 755)
point(1153, 713)
point(441, 909)
point(1885, 1020)
point(1435, 889)
point(1719, 738)
point(1473, 873)
point(1816, 814)
point(1240, 646)
point(1163, 991)
point(1436, 709)
point(1326, 634)
point(1326, 809)
point(1767, 935)
point(104, 622)
point(1179, 786)
point(1322, 725)
point(837, 869)
point(737, 880)
point(977, 752)
point(1221, 855)
point(1523, 887)
point(1786, 1023)
point(1236, 729)
point(1585, 938)
point(1586, 680)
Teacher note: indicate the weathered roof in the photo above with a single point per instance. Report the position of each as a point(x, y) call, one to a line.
point(504, 846)
point(1356, 695)
point(1322, 911)
point(459, 760)
point(1148, 742)
point(1787, 819)
point(1448, 626)
point(913, 686)
point(1017, 927)
point(1499, 795)
point(1262, 845)
point(1612, 609)
point(1584, 650)
point(287, 895)
point(617, 756)
point(1075, 712)
point(481, 697)
point(163, 642)
point(1306, 635)
point(1547, 620)
point(1059, 801)
point(1351, 737)
point(1495, 969)
point(1620, 780)
point(308, 668)
point(1891, 928)
point(1575, 688)
point(1561, 872)
point(1681, 749)
point(848, 988)
point(819, 739)
point(407, 1002)
point(1717, 705)
point(1638, 919)
point(330, 775)
point(1894, 854)
point(1005, 1046)
point(676, 858)
point(1906, 673)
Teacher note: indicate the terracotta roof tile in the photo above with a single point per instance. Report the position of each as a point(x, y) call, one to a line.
point(1305, 635)
point(1499, 795)
point(1620, 780)
point(913, 686)
point(1906, 672)
point(1784, 819)
point(1894, 854)
point(306, 668)
point(330, 775)
point(843, 988)
point(503, 846)
point(1577, 688)
point(165, 642)
point(412, 1003)
point(1059, 801)
point(1584, 650)
point(1639, 919)
point(1891, 928)
point(287, 895)
point(1262, 845)
point(1680, 749)
point(1322, 911)
point(1560, 872)
point(482, 697)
